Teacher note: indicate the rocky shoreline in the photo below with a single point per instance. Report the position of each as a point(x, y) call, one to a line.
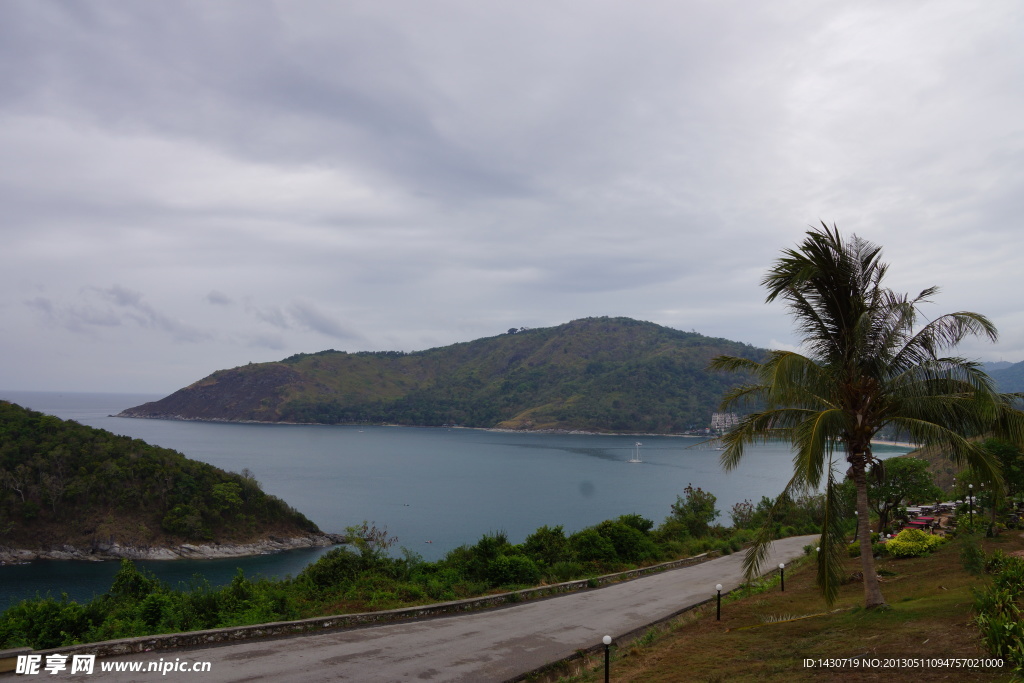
point(547, 430)
point(99, 552)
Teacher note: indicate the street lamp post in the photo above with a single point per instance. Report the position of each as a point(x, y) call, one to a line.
point(970, 499)
point(607, 640)
point(718, 612)
point(782, 576)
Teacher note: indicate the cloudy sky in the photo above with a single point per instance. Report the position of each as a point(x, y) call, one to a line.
point(188, 186)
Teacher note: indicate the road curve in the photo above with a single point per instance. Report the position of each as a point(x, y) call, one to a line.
point(492, 645)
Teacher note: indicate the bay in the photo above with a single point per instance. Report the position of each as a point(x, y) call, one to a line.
point(432, 488)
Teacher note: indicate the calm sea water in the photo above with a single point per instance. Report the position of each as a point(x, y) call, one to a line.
point(434, 489)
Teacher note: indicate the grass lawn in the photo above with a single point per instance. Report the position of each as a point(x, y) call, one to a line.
point(760, 637)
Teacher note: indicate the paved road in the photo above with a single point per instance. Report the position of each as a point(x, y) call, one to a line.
point(493, 645)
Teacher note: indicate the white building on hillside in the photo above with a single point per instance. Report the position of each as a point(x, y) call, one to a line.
point(723, 422)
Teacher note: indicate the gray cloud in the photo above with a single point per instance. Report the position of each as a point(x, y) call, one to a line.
point(267, 341)
point(400, 175)
point(311, 318)
point(218, 298)
point(122, 306)
point(125, 298)
point(271, 315)
point(146, 316)
point(76, 318)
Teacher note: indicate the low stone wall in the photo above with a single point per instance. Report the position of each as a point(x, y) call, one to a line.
point(290, 628)
point(582, 660)
point(9, 658)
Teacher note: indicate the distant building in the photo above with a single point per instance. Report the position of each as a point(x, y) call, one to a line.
point(723, 422)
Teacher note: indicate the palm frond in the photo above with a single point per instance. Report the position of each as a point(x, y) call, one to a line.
point(760, 427)
point(743, 395)
point(815, 440)
point(734, 364)
point(963, 451)
point(832, 553)
point(867, 363)
point(757, 553)
point(942, 333)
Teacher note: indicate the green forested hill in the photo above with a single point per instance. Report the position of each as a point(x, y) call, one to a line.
point(597, 374)
point(64, 483)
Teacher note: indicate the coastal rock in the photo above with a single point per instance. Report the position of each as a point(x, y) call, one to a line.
point(185, 551)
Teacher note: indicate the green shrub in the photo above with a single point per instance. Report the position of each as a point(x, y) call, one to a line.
point(631, 545)
point(742, 515)
point(638, 522)
point(964, 525)
point(488, 549)
point(410, 592)
point(506, 570)
point(438, 590)
point(695, 510)
point(335, 568)
point(154, 608)
point(131, 583)
point(972, 557)
point(546, 545)
point(999, 615)
point(671, 533)
point(44, 623)
point(565, 571)
point(590, 546)
point(913, 543)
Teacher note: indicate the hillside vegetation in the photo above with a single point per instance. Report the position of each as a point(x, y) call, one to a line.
point(766, 634)
point(64, 483)
point(365, 576)
point(595, 374)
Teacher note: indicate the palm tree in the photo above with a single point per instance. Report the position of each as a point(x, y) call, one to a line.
point(868, 365)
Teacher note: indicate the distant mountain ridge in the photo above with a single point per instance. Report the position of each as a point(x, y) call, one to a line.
point(1009, 378)
point(593, 374)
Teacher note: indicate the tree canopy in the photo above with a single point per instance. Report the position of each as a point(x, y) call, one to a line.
point(867, 364)
point(897, 482)
point(63, 482)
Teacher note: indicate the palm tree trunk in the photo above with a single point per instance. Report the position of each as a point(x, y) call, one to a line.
point(872, 591)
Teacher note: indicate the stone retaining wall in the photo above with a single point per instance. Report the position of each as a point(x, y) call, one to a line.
point(582, 660)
